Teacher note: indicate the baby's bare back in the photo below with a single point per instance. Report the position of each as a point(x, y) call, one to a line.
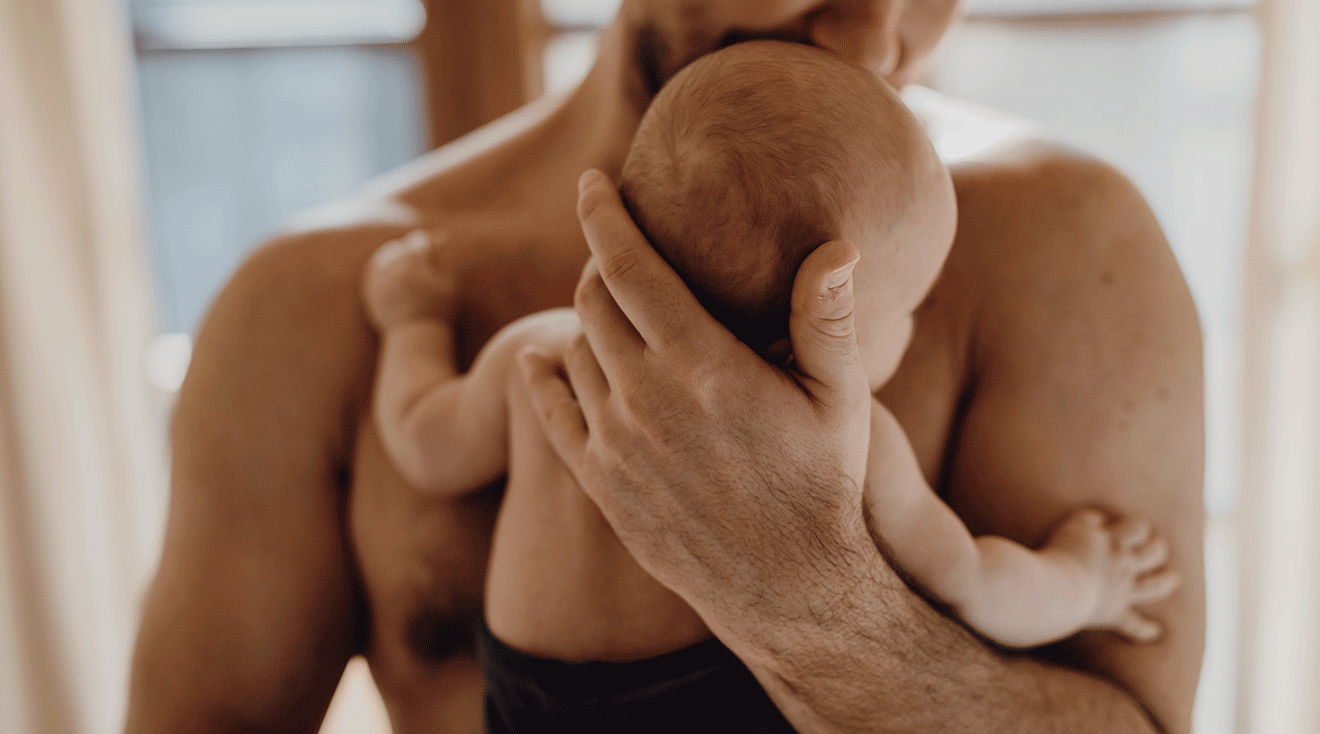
point(560, 585)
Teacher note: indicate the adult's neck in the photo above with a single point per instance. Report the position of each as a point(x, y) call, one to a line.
point(604, 111)
point(533, 156)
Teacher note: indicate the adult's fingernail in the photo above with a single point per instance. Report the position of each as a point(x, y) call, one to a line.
point(587, 178)
point(838, 277)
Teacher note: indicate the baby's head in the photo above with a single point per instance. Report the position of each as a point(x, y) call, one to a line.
point(753, 156)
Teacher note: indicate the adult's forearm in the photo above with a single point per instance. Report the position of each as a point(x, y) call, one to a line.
point(883, 660)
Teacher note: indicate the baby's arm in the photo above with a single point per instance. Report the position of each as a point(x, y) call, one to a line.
point(1088, 575)
point(445, 432)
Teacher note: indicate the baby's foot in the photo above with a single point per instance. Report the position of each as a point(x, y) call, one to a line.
point(404, 281)
point(1127, 563)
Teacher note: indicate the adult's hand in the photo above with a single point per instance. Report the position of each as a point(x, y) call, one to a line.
point(735, 483)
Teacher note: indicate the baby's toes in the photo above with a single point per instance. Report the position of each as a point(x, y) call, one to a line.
point(1139, 628)
point(1150, 556)
point(1154, 587)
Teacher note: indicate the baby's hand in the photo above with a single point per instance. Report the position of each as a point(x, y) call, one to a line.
point(404, 281)
point(1126, 562)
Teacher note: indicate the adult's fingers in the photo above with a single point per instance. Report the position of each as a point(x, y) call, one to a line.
point(646, 289)
point(821, 324)
point(586, 379)
point(612, 337)
point(560, 415)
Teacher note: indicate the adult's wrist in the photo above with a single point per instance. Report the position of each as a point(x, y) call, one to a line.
point(886, 660)
point(827, 668)
point(840, 592)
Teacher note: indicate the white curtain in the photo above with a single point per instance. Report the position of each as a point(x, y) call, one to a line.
point(81, 459)
point(1281, 519)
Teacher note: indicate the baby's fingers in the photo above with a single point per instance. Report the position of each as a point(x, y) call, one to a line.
point(1131, 532)
point(1139, 628)
point(388, 253)
point(1154, 587)
point(1150, 556)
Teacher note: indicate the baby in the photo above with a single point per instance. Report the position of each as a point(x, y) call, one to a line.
point(749, 159)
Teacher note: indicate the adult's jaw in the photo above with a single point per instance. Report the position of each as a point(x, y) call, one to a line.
point(889, 37)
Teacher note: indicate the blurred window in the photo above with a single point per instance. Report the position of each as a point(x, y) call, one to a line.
point(211, 24)
point(253, 110)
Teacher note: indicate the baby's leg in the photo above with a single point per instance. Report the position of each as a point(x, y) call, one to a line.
point(1088, 576)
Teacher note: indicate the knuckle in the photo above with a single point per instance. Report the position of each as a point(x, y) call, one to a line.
point(590, 290)
point(836, 325)
point(618, 264)
point(579, 348)
point(590, 202)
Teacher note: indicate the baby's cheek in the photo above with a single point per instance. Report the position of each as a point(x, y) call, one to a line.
point(882, 342)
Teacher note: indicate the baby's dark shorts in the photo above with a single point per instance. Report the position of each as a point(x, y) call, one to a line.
point(700, 689)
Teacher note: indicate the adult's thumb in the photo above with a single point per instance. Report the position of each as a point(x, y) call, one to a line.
point(821, 324)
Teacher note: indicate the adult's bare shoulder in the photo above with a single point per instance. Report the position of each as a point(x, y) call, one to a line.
point(287, 334)
point(1018, 183)
point(1037, 190)
point(252, 613)
point(1083, 386)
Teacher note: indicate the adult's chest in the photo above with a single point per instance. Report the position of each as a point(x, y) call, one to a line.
point(421, 560)
point(505, 274)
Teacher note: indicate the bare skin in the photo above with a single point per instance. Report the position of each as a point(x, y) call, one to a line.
point(773, 554)
point(1056, 364)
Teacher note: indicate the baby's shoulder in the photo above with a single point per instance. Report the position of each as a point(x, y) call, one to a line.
point(554, 327)
point(550, 331)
